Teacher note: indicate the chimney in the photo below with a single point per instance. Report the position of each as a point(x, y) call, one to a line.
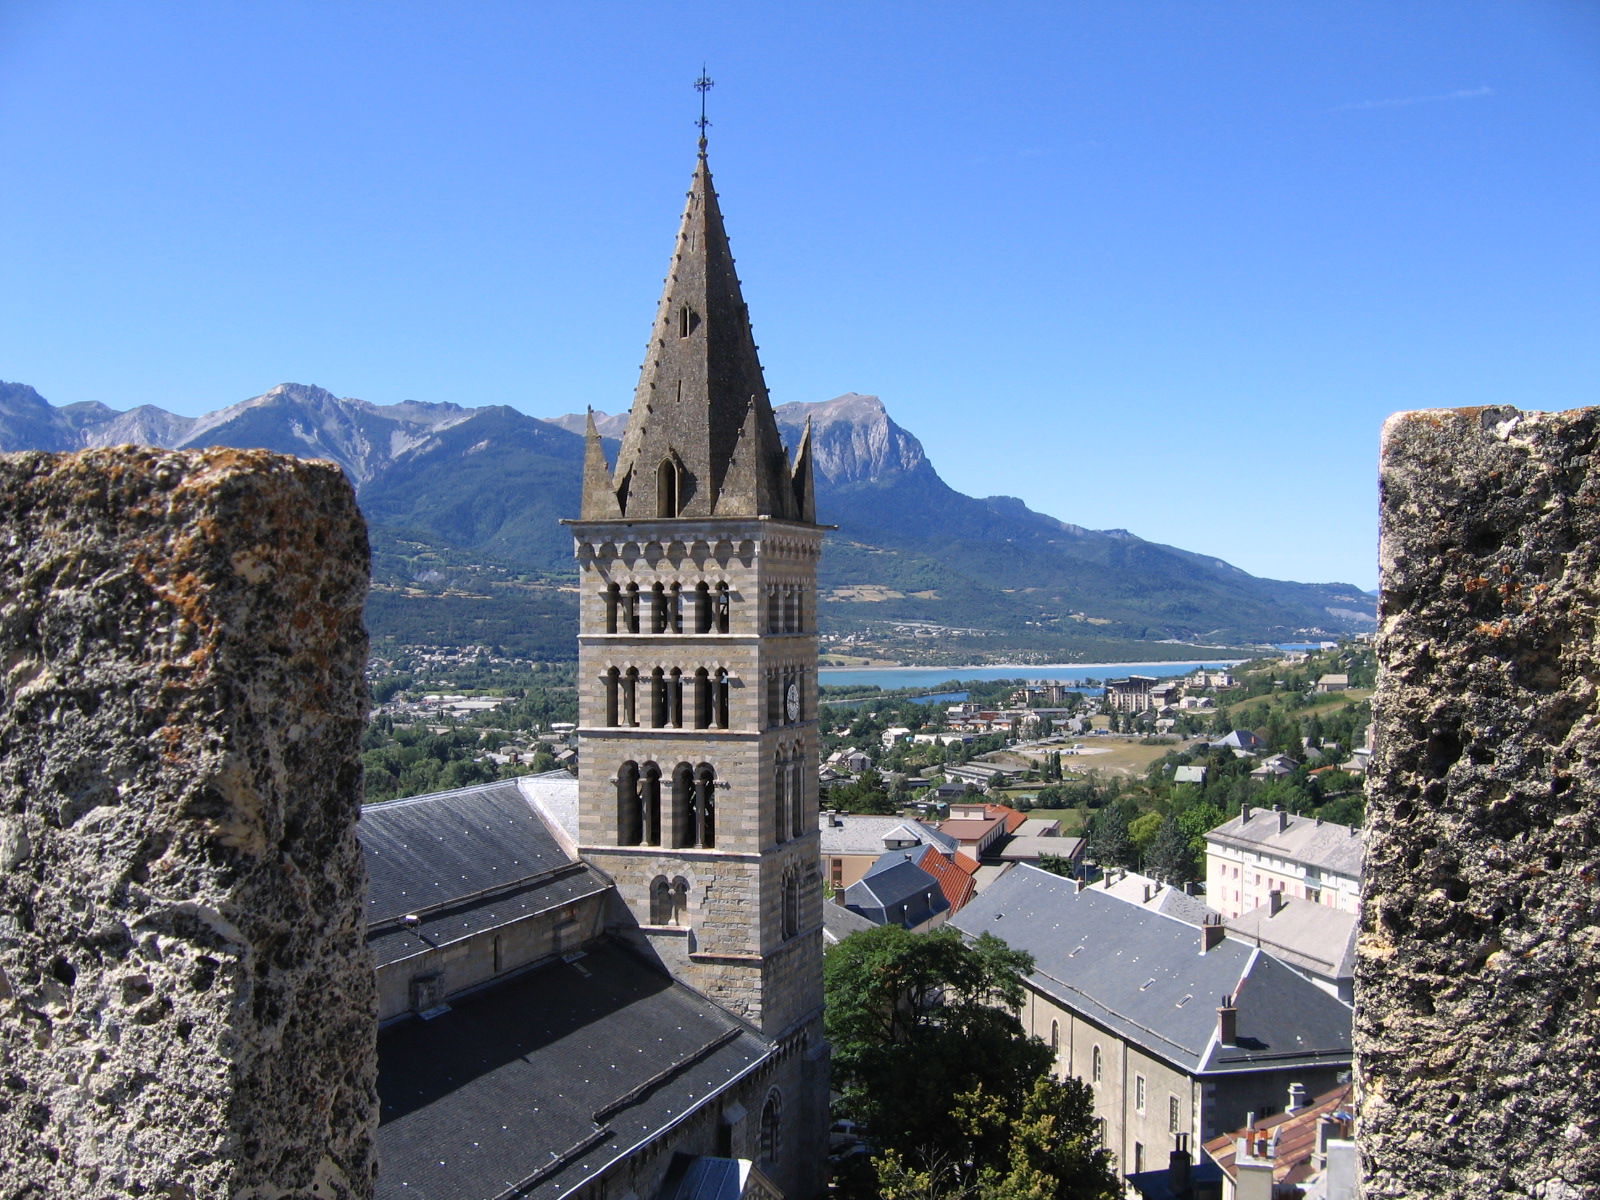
point(1244, 814)
point(1227, 1022)
point(1283, 818)
point(1179, 1173)
point(1147, 893)
point(1297, 1097)
point(1211, 932)
point(1328, 1128)
point(1274, 902)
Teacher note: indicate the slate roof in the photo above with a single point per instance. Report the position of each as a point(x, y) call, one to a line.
point(894, 883)
point(839, 922)
point(1142, 976)
point(1158, 897)
point(864, 835)
point(533, 1086)
point(1326, 845)
point(464, 862)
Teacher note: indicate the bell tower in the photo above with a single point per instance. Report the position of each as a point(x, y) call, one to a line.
point(697, 658)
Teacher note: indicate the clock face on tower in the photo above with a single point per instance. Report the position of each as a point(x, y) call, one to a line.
point(794, 702)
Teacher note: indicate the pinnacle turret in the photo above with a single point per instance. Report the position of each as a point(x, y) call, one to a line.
point(701, 440)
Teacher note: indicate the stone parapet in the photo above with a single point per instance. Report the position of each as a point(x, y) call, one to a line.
point(187, 1006)
point(1478, 1027)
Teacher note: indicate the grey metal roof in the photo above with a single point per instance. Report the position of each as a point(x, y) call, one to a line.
point(1316, 843)
point(533, 1086)
point(1304, 934)
point(864, 835)
point(462, 862)
point(1142, 975)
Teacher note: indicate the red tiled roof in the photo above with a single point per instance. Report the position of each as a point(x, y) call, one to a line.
point(966, 862)
point(968, 829)
point(1012, 817)
point(955, 883)
point(1297, 1138)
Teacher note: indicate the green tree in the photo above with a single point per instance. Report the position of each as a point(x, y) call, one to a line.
point(915, 1017)
point(1142, 832)
point(1109, 843)
point(1045, 1148)
point(1169, 856)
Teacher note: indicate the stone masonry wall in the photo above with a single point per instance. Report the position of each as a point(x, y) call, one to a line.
point(1478, 978)
point(186, 1002)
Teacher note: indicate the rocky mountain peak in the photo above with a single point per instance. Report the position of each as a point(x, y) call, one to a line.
point(852, 438)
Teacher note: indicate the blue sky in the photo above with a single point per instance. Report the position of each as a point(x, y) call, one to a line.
point(1163, 267)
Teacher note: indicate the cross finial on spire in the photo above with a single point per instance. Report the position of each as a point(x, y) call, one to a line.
point(703, 85)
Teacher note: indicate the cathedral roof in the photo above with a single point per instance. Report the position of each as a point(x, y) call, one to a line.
point(534, 1086)
point(701, 440)
point(448, 865)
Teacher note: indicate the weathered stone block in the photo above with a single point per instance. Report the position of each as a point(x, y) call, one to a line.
point(186, 1002)
point(1478, 1024)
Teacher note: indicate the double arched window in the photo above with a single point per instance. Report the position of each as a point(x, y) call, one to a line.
point(669, 901)
point(690, 816)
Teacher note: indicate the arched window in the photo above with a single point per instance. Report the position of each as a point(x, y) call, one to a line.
point(683, 805)
point(705, 809)
point(675, 608)
point(660, 901)
point(720, 699)
point(771, 1125)
point(780, 781)
point(628, 831)
point(630, 608)
point(702, 608)
point(1055, 1035)
point(680, 901)
point(800, 818)
point(659, 702)
point(791, 902)
point(613, 683)
point(630, 697)
point(650, 804)
point(658, 608)
point(613, 603)
point(675, 699)
point(1095, 1066)
point(723, 608)
point(667, 487)
point(703, 704)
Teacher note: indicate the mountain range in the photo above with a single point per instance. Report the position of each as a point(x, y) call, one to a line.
point(459, 498)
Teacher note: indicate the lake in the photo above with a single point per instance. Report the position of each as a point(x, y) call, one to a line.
point(890, 678)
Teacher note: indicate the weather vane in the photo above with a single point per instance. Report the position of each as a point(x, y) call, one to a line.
point(703, 85)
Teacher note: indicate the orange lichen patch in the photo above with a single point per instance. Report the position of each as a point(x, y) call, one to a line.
point(1476, 584)
point(1493, 628)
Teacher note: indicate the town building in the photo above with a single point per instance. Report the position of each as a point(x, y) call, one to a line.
point(1314, 939)
point(612, 986)
point(1179, 1029)
point(1304, 1151)
point(850, 843)
point(1132, 694)
point(1262, 851)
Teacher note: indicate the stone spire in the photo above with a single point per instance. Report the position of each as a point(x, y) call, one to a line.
point(701, 440)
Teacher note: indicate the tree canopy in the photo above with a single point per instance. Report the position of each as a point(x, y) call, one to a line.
point(930, 1057)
